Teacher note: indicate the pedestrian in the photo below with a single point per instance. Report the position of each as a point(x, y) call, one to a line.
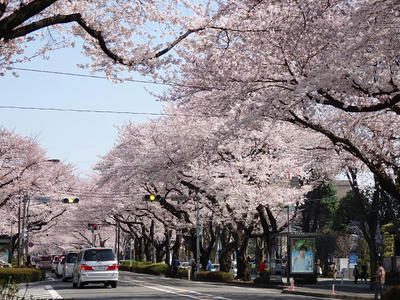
point(193, 268)
point(356, 274)
point(334, 271)
point(319, 270)
point(175, 267)
point(380, 281)
point(363, 273)
point(261, 267)
point(208, 267)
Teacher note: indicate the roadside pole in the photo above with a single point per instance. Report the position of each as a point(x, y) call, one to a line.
point(288, 249)
point(197, 233)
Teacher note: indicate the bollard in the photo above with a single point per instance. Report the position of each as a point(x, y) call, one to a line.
point(189, 268)
point(333, 289)
point(292, 288)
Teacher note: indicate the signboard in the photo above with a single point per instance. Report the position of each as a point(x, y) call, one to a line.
point(42, 199)
point(4, 249)
point(302, 252)
point(353, 259)
point(30, 244)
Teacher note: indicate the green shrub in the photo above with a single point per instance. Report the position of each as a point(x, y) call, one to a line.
point(392, 293)
point(214, 276)
point(146, 268)
point(182, 273)
point(263, 278)
point(19, 275)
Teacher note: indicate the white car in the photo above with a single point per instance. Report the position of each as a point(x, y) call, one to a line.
point(54, 263)
point(70, 259)
point(214, 267)
point(184, 265)
point(95, 265)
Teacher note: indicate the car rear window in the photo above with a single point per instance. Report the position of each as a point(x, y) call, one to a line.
point(45, 258)
point(71, 257)
point(99, 255)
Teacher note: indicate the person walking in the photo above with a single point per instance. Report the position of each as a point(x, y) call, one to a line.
point(175, 267)
point(356, 274)
point(334, 271)
point(193, 268)
point(261, 267)
point(380, 281)
point(363, 273)
point(208, 267)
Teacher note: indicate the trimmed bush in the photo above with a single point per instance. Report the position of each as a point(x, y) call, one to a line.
point(19, 275)
point(182, 273)
point(263, 278)
point(214, 276)
point(146, 268)
point(392, 293)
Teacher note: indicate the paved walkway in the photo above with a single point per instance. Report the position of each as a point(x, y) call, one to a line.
point(342, 290)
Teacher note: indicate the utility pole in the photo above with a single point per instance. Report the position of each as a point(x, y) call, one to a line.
point(93, 237)
point(288, 248)
point(197, 233)
point(118, 238)
point(19, 234)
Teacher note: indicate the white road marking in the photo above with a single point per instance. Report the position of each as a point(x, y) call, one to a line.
point(52, 292)
point(178, 291)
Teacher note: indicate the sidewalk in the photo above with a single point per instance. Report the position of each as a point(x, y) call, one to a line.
point(323, 288)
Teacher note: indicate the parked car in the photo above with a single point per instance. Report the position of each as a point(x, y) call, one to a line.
point(44, 262)
point(60, 265)
point(68, 266)
point(214, 267)
point(54, 263)
point(184, 265)
point(95, 265)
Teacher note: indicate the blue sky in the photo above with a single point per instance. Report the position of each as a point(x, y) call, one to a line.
point(77, 138)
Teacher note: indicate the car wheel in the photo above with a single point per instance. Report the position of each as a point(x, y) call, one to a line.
point(106, 284)
point(64, 279)
point(113, 284)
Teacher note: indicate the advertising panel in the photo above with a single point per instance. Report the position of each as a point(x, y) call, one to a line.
point(4, 252)
point(302, 251)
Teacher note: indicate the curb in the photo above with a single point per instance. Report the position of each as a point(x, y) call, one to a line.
point(322, 295)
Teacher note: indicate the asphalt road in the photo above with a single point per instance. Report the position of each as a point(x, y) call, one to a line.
point(141, 286)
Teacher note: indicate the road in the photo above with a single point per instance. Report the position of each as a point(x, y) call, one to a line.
point(142, 286)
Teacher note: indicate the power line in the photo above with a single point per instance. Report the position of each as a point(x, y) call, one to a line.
point(81, 110)
point(91, 76)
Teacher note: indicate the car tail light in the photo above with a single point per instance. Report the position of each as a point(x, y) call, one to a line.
point(86, 268)
point(112, 267)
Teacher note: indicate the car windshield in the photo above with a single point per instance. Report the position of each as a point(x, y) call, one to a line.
point(99, 255)
point(71, 258)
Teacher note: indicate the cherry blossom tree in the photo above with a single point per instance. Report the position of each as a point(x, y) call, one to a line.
point(26, 173)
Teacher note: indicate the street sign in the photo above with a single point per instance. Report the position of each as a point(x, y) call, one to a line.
point(42, 199)
point(353, 259)
point(30, 244)
point(179, 198)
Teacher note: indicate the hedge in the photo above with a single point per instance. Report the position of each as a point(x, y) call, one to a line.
point(146, 268)
point(214, 276)
point(19, 275)
point(182, 273)
point(392, 293)
point(263, 278)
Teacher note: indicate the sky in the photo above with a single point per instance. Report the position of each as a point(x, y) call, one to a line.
point(72, 137)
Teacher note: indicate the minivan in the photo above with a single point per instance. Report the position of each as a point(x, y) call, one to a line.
point(69, 262)
point(95, 265)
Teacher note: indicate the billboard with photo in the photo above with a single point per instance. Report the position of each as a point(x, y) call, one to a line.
point(302, 252)
point(4, 252)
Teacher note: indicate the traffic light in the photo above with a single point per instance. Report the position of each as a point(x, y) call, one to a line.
point(70, 200)
point(93, 226)
point(151, 197)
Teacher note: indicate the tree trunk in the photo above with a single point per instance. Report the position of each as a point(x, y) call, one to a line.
point(225, 254)
point(242, 236)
